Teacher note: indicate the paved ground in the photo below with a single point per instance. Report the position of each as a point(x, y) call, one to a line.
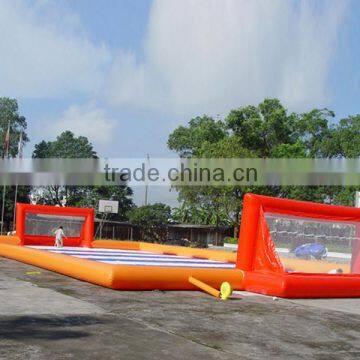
point(48, 316)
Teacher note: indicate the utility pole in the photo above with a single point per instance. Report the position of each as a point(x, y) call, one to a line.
point(5, 156)
point(3, 209)
point(146, 179)
point(19, 155)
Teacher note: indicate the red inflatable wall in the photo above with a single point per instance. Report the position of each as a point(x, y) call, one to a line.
point(87, 232)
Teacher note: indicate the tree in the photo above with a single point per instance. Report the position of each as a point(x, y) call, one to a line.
point(187, 141)
point(11, 118)
point(266, 130)
point(152, 221)
point(261, 129)
point(344, 139)
point(67, 145)
point(122, 194)
point(313, 130)
point(22, 197)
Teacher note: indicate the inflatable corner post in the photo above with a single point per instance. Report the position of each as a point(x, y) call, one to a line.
point(271, 230)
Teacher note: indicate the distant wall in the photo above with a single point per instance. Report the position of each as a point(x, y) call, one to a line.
point(180, 234)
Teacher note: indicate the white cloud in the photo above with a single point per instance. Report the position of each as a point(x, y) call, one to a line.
point(199, 55)
point(86, 120)
point(211, 55)
point(44, 51)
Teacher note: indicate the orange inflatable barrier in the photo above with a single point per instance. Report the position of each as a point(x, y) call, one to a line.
point(123, 265)
point(127, 277)
point(268, 225)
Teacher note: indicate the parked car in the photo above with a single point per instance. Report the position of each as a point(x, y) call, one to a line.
point(311, 251)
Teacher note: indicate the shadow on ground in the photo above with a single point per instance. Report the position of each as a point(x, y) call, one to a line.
point(169, 325)
point(46, 328)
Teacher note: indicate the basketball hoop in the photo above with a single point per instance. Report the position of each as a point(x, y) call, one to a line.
point(105, 208)
point(108, 207)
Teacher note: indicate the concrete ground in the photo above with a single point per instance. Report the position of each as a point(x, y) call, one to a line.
point(44, 315)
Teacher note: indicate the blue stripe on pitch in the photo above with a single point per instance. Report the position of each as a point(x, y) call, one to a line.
point(126, 255)
point(85, 253)
point(98, 256)
point(139, 258)
point(99, 252)
point(159, 259)
point(209, 266)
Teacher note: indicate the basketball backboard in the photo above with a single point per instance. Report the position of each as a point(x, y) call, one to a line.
point(108, 206)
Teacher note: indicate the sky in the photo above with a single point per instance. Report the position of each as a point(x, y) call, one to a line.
point(126, 73)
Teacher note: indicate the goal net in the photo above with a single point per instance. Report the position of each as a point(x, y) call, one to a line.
point(315, 245)
point(45, 224)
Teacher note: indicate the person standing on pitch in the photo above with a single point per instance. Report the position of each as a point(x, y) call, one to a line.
point(59, 235)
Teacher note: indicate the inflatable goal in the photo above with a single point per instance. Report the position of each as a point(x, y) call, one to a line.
point(35, 224)
point(294, 248)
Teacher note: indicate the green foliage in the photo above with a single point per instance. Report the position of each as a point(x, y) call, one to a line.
point(200, 210)
point(187, 141)
point(296, 150)
point(262, 128)
point(152, 221)
point(313, 130)
point(231, 240)
point(344, 139)
point(230, 146)
point(22, 196)
point(9, 114)
point(266, 130)
point(122, 194)
point(67, 145)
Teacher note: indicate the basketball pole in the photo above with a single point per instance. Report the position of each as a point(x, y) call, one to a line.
point(105, 207)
